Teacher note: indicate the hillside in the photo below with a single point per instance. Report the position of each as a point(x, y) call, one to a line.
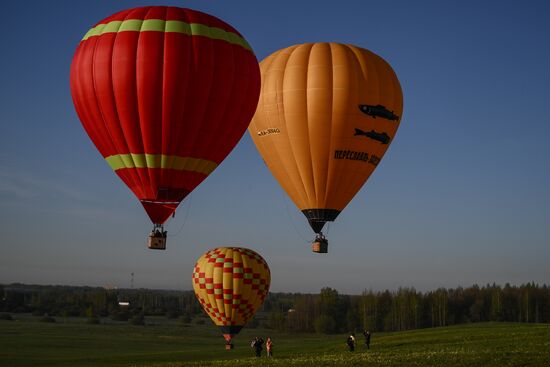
point(169, 343)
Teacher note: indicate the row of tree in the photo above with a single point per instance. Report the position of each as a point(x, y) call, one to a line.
point(406, 308)
point(326, 312)
point(95, 301)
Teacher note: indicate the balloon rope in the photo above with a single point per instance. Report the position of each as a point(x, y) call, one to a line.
point(185, 217)
point(285, 199)
point(327, 226)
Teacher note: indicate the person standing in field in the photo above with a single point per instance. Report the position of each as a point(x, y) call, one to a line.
point(258, 346)
point(254, 345)
point(269, 347)
point(351, 342)
point(366, 333)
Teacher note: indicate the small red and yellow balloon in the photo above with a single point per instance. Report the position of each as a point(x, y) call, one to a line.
point(231, 283)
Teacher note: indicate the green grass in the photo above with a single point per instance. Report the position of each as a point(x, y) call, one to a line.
point(164, 343)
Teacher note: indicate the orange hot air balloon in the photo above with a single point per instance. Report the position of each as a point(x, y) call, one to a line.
point(231, 283)
point(165, 94)
point(327, 114)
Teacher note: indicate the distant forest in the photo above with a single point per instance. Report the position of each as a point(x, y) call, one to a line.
point(327, 312)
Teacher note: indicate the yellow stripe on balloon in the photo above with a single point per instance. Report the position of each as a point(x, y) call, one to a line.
point(167, 26)
point(122, 161)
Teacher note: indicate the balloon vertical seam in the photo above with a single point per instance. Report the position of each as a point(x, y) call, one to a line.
point(217, 129)
point(298, 170)
point(208, 94)
point(280, 113)
point(139, 174)
point(161, 172)
point(134, 175)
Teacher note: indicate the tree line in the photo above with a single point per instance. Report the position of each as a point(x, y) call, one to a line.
point(327, 312)
point(96, 302)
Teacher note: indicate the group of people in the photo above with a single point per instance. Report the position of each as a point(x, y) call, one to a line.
point(258, 345)
point(351, 342)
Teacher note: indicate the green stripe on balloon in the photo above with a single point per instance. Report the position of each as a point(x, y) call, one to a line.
point(168, 26)
point(178, 27)
point(130, 25)
point(123, 161)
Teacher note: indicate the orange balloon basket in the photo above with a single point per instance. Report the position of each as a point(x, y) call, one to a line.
point(229, 346)
point(320, 245)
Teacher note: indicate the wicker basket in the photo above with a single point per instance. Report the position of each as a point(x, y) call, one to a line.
point(320, 246)
point(157, 242)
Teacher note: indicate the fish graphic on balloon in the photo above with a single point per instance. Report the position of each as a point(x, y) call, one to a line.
point(378, 111)
point(381, 137)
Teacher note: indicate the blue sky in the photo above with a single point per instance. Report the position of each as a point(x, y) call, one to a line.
point(461, 197)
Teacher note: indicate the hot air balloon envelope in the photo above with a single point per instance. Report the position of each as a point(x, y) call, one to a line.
point(327, 114)
point(165, 94)
point(231, 283)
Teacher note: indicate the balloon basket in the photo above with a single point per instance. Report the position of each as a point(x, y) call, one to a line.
point(229, 346)
point(157, 238)
point(156, 243)
point(320, 245)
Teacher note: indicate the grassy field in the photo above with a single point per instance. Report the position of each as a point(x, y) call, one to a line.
point(167, 343)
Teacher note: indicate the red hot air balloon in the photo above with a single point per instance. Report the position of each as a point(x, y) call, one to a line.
point(165, 94)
